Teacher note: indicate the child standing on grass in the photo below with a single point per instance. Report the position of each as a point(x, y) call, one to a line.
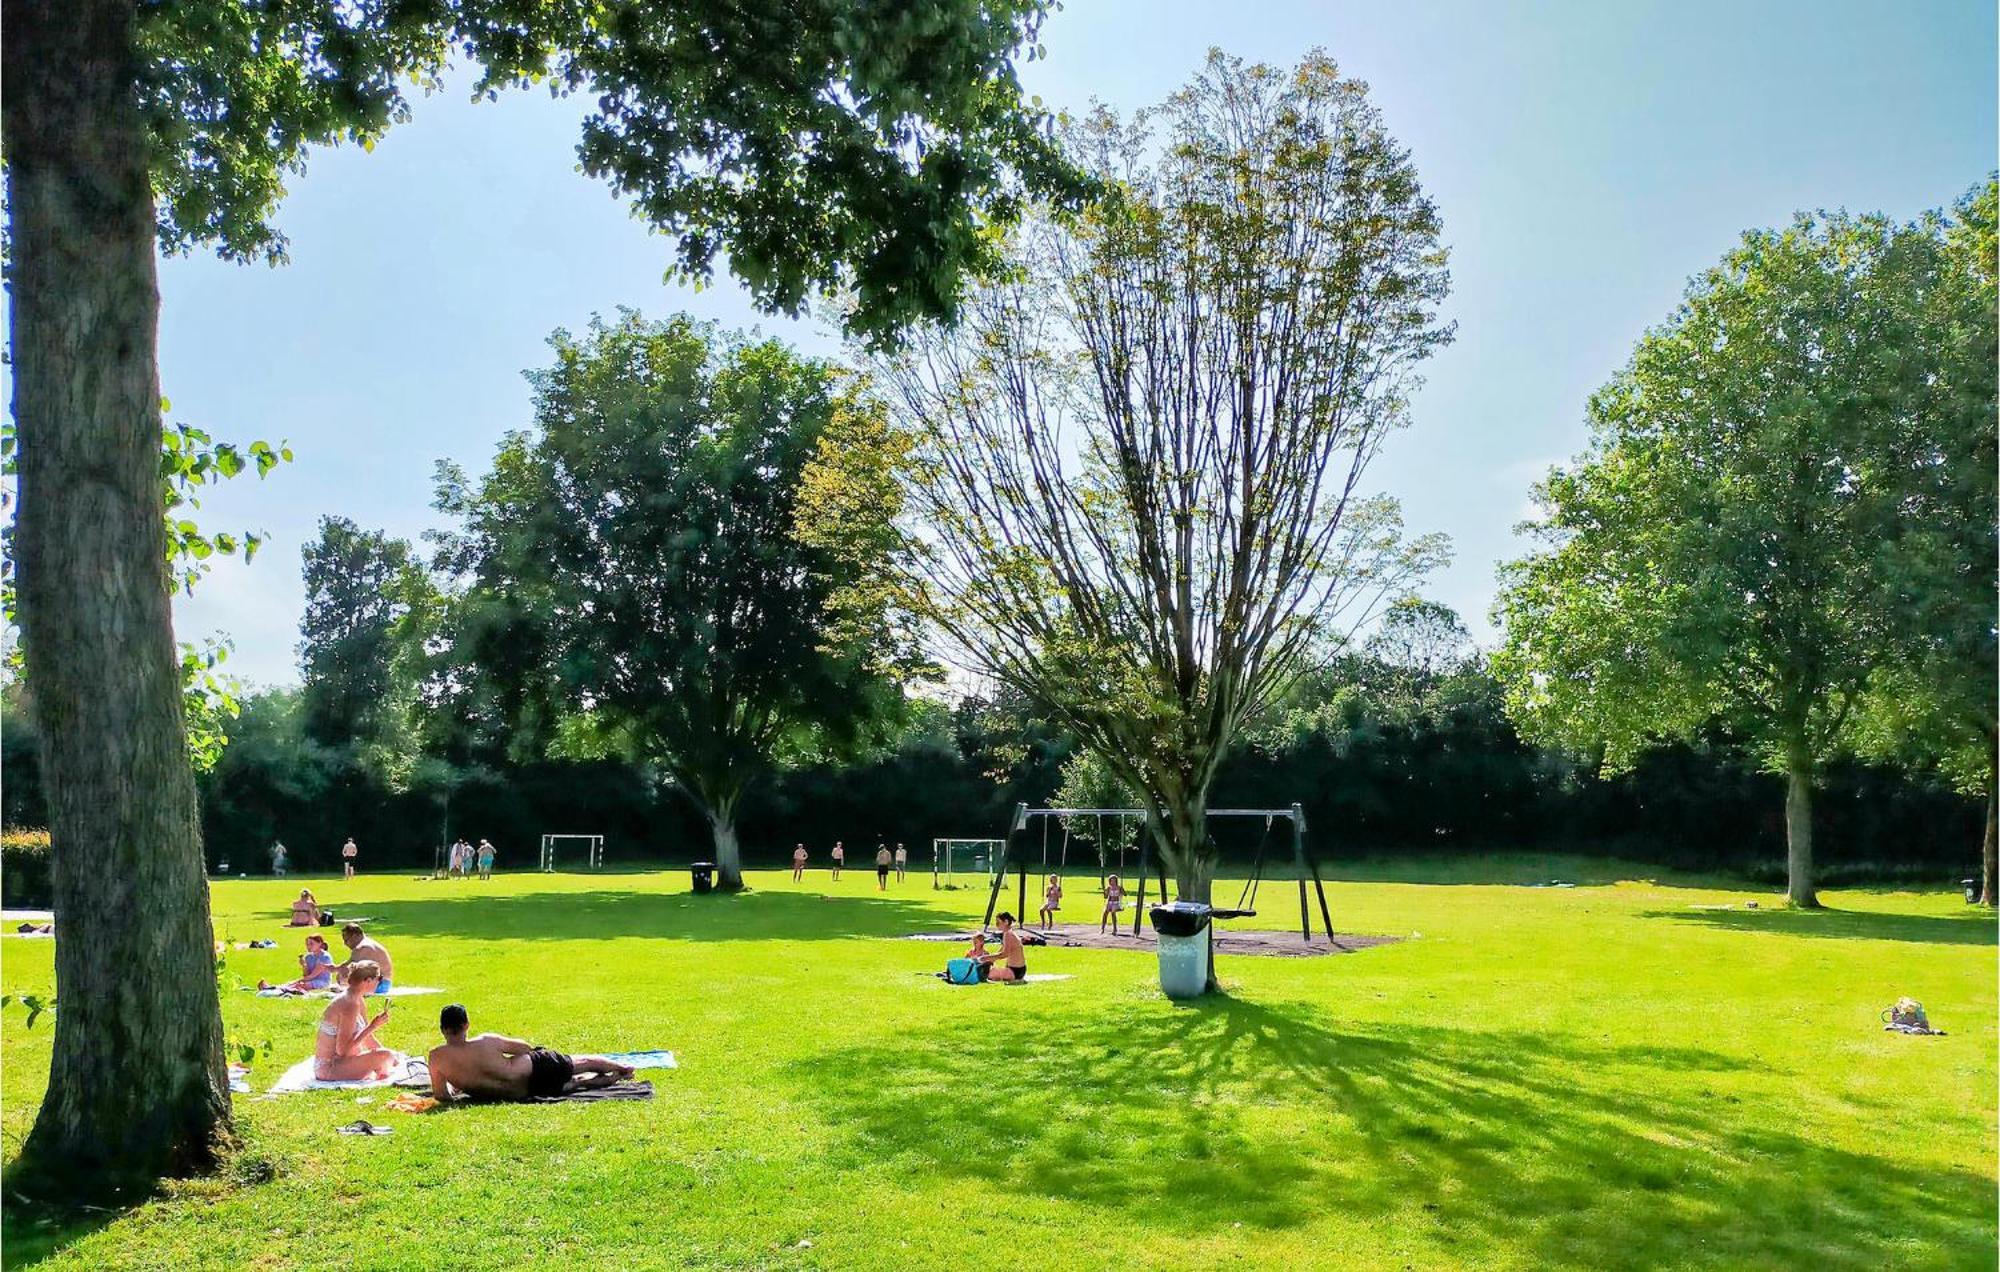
point(839, 859)
point(1051, 900)
point(798, 863)
point(1114, 901)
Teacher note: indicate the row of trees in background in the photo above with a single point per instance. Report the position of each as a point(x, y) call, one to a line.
point(1405, 746)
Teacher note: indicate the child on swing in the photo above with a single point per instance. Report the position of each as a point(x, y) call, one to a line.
point(1051, 901)
point(1114, 901)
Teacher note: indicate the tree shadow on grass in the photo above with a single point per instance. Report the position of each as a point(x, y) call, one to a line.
point(682, 916)
point(33, 1235)
point(1852, 925)
point(1498, 1146)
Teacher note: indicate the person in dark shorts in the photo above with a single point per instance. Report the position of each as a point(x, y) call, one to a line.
point(1012, 964)
point(496, 1067)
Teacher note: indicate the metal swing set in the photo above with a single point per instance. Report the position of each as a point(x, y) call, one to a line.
point(1014, 851)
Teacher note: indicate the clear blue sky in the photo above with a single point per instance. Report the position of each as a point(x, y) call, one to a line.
point(1587, 157)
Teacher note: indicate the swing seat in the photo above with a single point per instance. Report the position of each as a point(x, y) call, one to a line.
point(1232, 914)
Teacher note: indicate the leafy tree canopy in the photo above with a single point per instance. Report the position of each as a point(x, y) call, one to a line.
point(817, 145)
point(640, 548)
point(1731, 546)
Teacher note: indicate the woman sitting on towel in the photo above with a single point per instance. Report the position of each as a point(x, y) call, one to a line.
point(1012, 964)
point(305, 910)
point(346, 1049)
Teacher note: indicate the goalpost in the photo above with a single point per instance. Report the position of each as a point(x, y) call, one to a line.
point(947, 854)
point(591, 845)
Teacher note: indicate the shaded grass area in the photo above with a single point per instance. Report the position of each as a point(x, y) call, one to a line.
point(610, 914)
point(1970, 928)
point(1500, 1146)
point(1595, 1077)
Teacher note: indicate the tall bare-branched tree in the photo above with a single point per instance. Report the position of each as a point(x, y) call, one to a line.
point(1138, 459)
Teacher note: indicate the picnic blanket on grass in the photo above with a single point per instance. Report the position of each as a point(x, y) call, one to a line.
point(616, 1091)
point(408, 1071)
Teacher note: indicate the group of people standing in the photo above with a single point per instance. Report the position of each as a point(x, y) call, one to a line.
point(281, 858)
point(885, 861)
point(464, 858)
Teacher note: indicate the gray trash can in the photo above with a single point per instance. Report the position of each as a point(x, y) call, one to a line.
point(1182, 928)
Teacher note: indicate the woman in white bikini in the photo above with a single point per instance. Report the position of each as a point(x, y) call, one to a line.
point(346, 1049)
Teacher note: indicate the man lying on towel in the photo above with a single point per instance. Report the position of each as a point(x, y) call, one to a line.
point(495, 1067)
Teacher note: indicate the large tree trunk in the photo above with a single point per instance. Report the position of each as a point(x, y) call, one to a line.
point(1989, 849)
point(728, 858)
point(1799, 889)
point(137, 1087)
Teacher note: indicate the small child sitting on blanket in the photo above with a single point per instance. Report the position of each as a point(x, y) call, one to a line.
point(316, 963)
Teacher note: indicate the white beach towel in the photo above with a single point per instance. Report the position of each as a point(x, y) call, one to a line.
point(407, 1071)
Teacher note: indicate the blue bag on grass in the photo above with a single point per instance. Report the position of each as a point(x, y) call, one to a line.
point(962, 971)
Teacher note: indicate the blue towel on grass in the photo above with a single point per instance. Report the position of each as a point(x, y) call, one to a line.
point(643, 1059)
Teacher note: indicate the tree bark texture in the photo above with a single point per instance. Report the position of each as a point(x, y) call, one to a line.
point(728, 855)
point(1799, 887)
point(137, 1085)
point(1989, 850)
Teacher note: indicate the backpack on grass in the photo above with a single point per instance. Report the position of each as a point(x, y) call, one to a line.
point(962, 971)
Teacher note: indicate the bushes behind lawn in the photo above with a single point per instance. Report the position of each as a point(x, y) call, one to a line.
point(24, 869)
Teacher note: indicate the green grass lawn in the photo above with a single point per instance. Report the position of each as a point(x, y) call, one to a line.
point(1592, 1077)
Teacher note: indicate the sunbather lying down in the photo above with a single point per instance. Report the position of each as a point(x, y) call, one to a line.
point(494, 1067)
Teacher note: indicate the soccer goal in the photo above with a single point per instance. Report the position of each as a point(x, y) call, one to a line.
point(560, 848)
point(966, 856)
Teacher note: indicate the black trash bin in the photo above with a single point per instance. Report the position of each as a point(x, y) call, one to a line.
point(1183, 931)
point(704, 876)
point(1971, 887)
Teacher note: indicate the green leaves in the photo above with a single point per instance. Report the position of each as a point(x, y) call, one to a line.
point(1138, 455)
point(1739, 542)
point(864, 149)
point(34, 1004)
point(640, 571)
point(190, 461)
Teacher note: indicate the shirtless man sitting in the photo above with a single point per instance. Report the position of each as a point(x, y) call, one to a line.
point(362, 947)
point(496, 1067)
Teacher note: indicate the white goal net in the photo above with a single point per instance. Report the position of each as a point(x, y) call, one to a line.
point(572, 852)
point(973, 857)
